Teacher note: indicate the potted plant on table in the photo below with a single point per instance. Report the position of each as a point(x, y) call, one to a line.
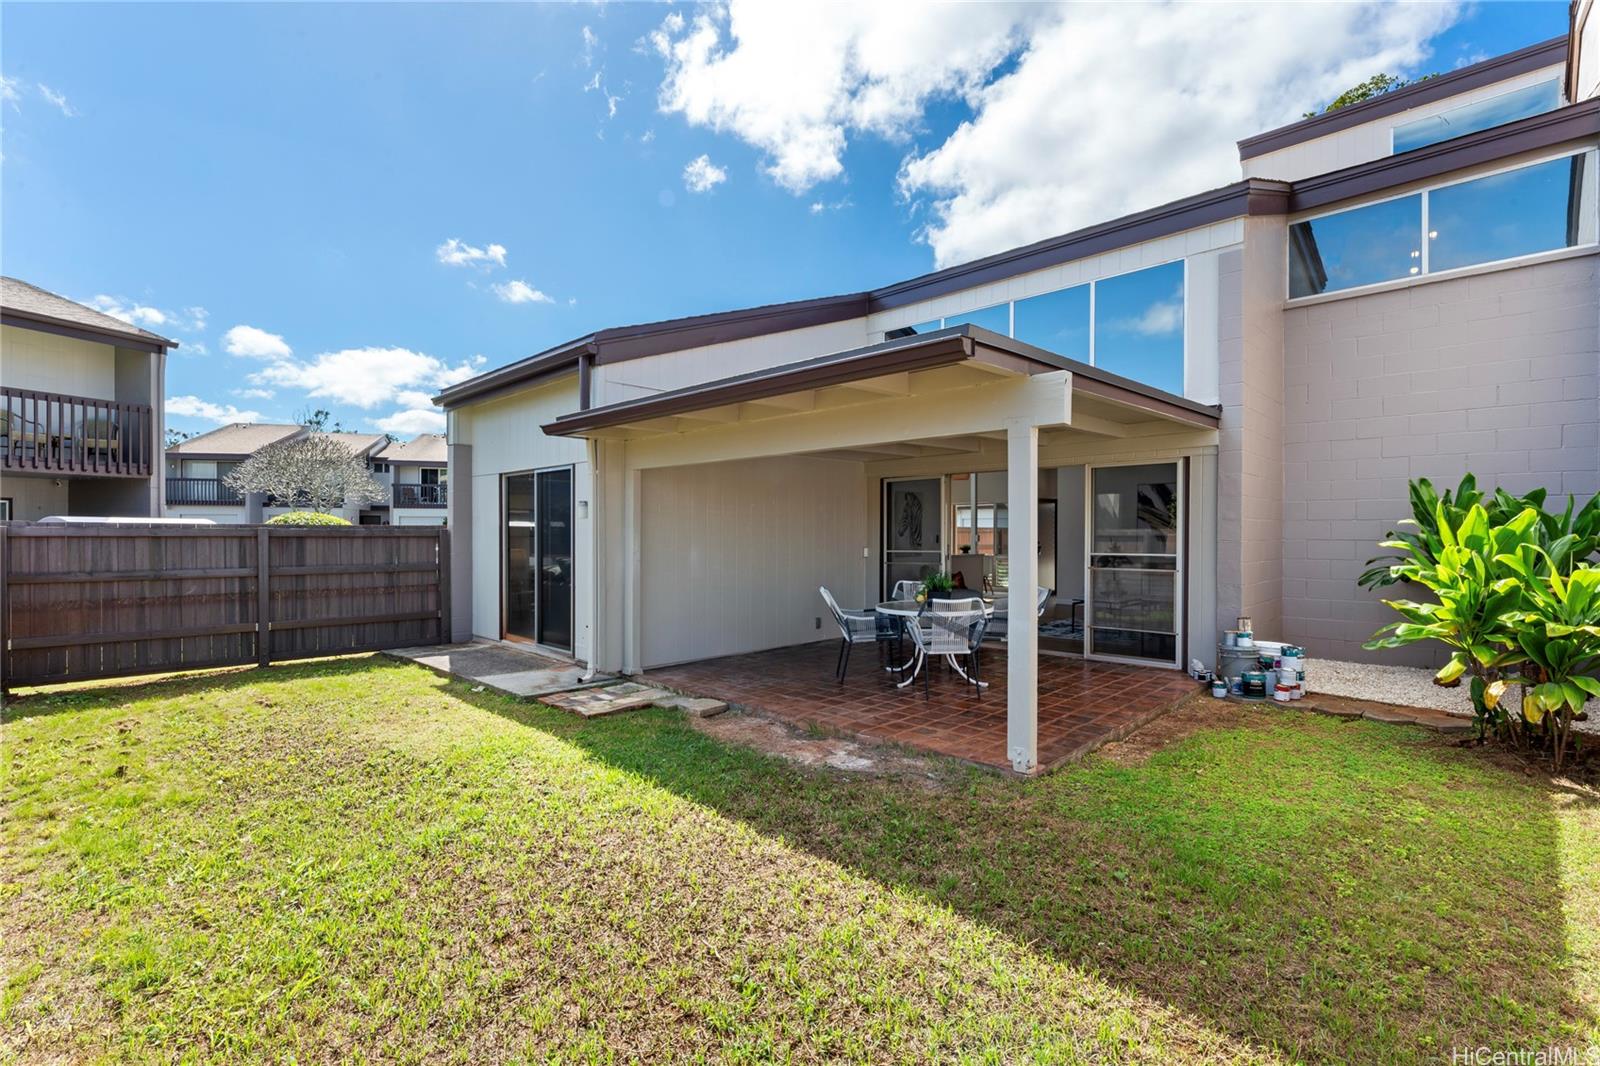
point(937, 586)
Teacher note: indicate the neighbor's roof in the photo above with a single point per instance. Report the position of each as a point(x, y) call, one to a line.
point(241, 438)
point(30, 307)
point(427, 448)
point(359, 443)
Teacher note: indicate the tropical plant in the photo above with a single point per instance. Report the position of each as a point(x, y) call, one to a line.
point(316, 473)
point(306, 518)
point(1475, 602)
point(1516, 597)
point(1427, 505)
point(937, 583)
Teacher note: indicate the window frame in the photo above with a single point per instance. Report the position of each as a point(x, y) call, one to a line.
point(1556, 81)
point(1425, 273)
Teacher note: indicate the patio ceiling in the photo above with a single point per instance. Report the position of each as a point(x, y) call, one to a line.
point(922, 368)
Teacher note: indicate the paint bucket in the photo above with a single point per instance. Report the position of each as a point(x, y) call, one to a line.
point(1219, 689)
point(1244, 639)
point(1236, 686)
point(1288, 677)
point(1244, 623)
point(1282, 693)
point(1272, 649)
point(1255, 685)
point(1232, 661)
point(1230, 638)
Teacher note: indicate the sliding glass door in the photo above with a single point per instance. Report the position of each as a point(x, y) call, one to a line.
point(538, 557)
point(913, 523)
point(1135, 588)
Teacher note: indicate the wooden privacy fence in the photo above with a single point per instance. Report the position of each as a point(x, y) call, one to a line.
point(82, 602)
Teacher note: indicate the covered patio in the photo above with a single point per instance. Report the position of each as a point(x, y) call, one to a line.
point(1082, 703)
point(724, 506)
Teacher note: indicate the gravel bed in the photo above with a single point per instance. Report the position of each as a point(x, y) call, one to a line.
point(1406, 686)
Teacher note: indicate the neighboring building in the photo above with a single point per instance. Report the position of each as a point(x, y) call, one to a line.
point(197, 469)
point(80, 409)
point(418, 475)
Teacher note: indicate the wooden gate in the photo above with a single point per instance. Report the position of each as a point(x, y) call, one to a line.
point(82, 602)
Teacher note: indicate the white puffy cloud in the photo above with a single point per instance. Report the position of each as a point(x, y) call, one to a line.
point(254, 394)
point(187, 320)
point(252, 343)
point(455, 252)
point(520, 292)
point(9, 92)
point(366, 377)
point(410, 422)
point(58, 100)
point(1079, 113)
point(221, 414)
point(702, 175)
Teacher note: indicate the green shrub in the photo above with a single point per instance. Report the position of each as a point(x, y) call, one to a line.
point(306, 518)
point(1516, 599)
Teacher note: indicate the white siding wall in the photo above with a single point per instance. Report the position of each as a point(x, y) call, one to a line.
point(505, 438)
point(690, 366)
point(732, 554)
point(45, 362)
point(1371, 140)
point(1588, 51)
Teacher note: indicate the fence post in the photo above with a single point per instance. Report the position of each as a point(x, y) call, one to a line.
point(5, 619)
point(263, 600)
point(446, 630)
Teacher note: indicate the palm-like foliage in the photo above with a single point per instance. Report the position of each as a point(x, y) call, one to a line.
point(1516, 599)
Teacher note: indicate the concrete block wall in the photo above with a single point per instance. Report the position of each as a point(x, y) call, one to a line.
point(1496, 373)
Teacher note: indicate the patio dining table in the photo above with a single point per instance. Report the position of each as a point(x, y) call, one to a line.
point(905, 612)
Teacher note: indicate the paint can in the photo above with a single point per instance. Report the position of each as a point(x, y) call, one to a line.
point(1233, 661)
point(1244, 638)
point(1255, 685)
point(1244, 623)
point(1288, 677)
point(1282, 693)
point(1219, 689)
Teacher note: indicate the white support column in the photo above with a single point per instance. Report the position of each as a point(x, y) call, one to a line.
point(1022, 625)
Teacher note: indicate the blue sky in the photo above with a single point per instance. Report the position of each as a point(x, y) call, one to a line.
point(296, 169)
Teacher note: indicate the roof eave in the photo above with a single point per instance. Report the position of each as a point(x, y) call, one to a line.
point(143, 340)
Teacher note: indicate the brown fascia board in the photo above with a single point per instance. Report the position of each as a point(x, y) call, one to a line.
point(1253, 196)
point(655, 338)
point(922, 352)
point(1572, 123)
point(79, 331)
point(1500, 68)
point(535, 369)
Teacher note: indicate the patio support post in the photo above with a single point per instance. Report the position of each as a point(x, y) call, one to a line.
point(1022, 624)
point(459, 518)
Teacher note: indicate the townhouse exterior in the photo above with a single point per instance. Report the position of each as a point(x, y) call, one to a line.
point(414, 472)
point(80, 409)
point(1206, 410)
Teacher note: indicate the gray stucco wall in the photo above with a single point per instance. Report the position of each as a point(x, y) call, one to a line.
point(1250, 447)
point(1495, 373)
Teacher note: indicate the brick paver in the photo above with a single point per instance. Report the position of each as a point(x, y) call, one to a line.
point(1082, 704)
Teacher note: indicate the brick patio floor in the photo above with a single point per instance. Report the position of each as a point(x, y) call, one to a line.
point(1082, 704)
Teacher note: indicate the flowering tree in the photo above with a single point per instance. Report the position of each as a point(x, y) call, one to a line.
point(315, 473)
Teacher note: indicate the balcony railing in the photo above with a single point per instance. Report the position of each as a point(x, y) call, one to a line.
point(75, 434)
point(200, 490)
point(420, 495)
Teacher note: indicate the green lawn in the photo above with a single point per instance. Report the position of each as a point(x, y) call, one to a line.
point(356, 861)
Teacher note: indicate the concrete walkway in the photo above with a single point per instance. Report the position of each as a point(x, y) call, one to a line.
point(501, 667)
point(528, 675)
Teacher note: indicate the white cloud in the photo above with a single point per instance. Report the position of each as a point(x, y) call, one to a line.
point(1079, 113)
point(597, 84)
point(187, 320)
point(410, 422)
point(366, 377)
point(1159, 319)
point(9, 93)
point(702, 175)
point(455, 252)
point(254, 394)
point(520, 292)
point(58, 100)
point(221, 414)
point(253, 343)
point(590, 43)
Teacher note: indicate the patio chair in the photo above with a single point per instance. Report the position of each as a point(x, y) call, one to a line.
point(905, 590)
point(95, 433)
point(999, 625)
point(18, 433)
point(951, 628)
point(855, 627)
